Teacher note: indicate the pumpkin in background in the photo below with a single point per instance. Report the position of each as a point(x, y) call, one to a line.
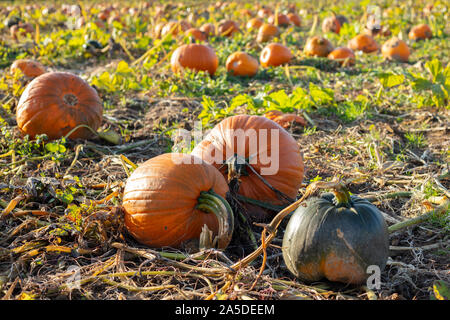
point(158, 29)
point(208, 29)
point(336, 237)
point(168, 199)
point(279, 20)
point(227, 28)
point(275, 54)
point(264, 12)
point(345, 56)
point(364, 43)
point(194, 56)
point(342, 19)
point(420, 32)
point(395, 49)
point(21, 30)
point(318, 47)
point(175, 27)
point(29, 68)
point(242, 64)
point(285, 119)
point(254, 24)
point(55, 103)
point(266, 32)
point(270, 152)
point(331, 24)
point(295, 19)
point(197, 34)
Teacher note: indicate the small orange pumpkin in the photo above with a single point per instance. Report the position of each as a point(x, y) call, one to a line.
point(420, 32)
point(194, 56)
point(279, 20)
point(284, 119)
point(343, 55)
point(295, 19)
point(242, 64)
point(395, 49)
point(331, 24)
point(29, 68)
point(197, 34)
point(318, 47)
point(266, 32)
point(254, 24)
point(275, 54)
point(228, 27)
point(55, 103)
point(21, 29)
point(364, 43)
point(264, 12)
point(168, 199)
point(208, 29)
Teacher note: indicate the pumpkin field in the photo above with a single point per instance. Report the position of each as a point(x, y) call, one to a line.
point(225, 150)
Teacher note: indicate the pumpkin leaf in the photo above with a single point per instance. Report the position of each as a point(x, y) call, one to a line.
point(389, 80)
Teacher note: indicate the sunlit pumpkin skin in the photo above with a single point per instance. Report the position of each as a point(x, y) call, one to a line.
point(327, 240)
point(21, 30)
point(227, 28)
point(344, 55)
point(266, 32)
point(281, 20)
point(275, 54)
point(254, 24)
point(194, 56)
point(318, 47)
point(242, 64)
point(395, 49)
point(284, 119)
point(161, 195)
point(208, 29)
point(364, 43)
point(420, 32)
point(295, 19)
point(29, 68)
point(264, 12)
point(221, 144)
point(197, 34)
point(56, 102)
point(331, 24)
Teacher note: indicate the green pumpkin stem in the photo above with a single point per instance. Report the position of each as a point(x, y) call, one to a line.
point(211, 202)
point(341, 194)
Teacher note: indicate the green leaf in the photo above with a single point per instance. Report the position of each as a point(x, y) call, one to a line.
point(434, 67)
point(55, 147)
point(122, 67)
point(389, 80)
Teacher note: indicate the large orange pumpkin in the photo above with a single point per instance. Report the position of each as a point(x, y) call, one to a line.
point(395, 49)
point(364, 43)
point(420, 32)
point(275, 54)
point(55, 103)
point(168, 199)
point(194, 56)
point(295, 19)
point(343, 55)
point(29, 68)
point(318, 47)
point(242, 64)
point(269, 151)
point(266, 32)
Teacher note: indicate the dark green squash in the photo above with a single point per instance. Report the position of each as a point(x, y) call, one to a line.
point(336, 237)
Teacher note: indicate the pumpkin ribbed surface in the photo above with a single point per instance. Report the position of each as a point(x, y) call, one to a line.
point(194, 56)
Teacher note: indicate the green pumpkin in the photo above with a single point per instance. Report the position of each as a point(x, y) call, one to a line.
point(335, 236)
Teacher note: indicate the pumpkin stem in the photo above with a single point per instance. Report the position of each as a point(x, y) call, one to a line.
point(211, 202)
point(342, 195)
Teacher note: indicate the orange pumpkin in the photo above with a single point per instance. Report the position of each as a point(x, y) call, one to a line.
point(395, 49)
point(194, 56)
point(264, 12)
point(21, 30)
point(331, 24)
point(175, 27)
point(242, 64)
point(228, 27)
point(56, 102)
point(208, 29)
point(254, 23)
point(284, 119)
point(364, 43)
point(318, 47)
point(420, 32)
point(266, 32)
point(295, 19)
point(343, 55)
point(279, 20)
point(166, 201)
point(275, 54)
point(270, 152)
point(29, 68)
point(197, 34)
